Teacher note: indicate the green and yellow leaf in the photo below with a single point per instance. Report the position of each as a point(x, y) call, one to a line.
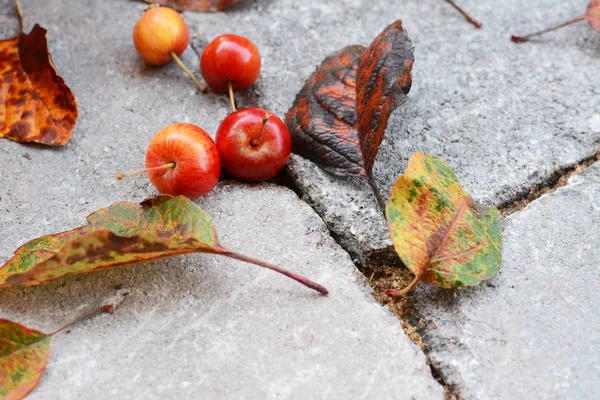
point(24, 354)
point(123, 234)
point(439, 232)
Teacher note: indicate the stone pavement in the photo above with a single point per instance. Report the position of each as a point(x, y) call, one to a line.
point(505, 117)
point(532, 331)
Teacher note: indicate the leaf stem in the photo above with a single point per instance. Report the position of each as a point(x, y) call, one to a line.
point(255, 142)
point(121, 175)
point(305, 281)
point(470, 19)
point(376, 191)
point(526, 38)
point(411, 285)
point(187, 71)
point(20, 14)
point(231, 98)
point(107, 308)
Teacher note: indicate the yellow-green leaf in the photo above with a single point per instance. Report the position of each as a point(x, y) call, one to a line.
point(123, 234)
point(24, 354)
point(439, 232)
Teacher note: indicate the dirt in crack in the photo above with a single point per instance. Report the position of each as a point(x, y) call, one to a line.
point(383, 278)
point(558, 179)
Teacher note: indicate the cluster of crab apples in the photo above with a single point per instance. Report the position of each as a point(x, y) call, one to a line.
point(251, 144)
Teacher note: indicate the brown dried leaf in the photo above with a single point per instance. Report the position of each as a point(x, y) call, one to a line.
point(35, 103)
point(339, 117)
point(195, 5)
point(383, 82)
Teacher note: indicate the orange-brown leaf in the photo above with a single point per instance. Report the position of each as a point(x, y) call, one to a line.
point(196, 5)
point(323, 119)
point(35, 103)
point(383, 81)
point(339, 117)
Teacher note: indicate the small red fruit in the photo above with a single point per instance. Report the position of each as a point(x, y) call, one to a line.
point(182, 159)
point(254, 145)
point(230, 60)
point(158, 33)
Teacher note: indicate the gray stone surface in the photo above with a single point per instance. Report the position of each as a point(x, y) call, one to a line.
point(208, 327)
point(194, 326)
point(504, 116)
point(533, 332)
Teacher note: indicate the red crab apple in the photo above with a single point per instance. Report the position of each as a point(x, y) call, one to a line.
point(182, 159)
point(230, 62)
point(160, 36)
point(254, 144)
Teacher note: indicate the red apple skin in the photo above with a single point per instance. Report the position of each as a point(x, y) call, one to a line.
point(197, 162)
point(240, 157)
point(159, 32)
point(230, 58)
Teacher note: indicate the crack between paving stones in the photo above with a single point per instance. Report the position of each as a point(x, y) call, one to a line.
point(383, 278)
point(557, 179)
point(451, 392)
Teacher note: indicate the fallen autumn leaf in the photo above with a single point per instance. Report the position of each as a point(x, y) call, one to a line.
point(123, 234)
point(439, 232)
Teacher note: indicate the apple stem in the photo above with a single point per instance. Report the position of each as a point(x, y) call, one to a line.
point(464, 14)
point(108, 308)
point(255, 142)
point(151, 6)
point(231, 98)
point(121, 175)
point(187, 71)
point(526, 38)
point(305, 281)
point(395, 293)
point(20, 14)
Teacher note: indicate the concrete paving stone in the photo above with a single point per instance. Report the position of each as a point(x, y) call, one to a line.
point(203, 326)
point(196, 326)
point(532, 332)
point(505, 117)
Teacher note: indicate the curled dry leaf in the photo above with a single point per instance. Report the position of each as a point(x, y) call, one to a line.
point(439, 232)
point(123, 234)
point(339, 117)
point(35, 103)
point(195, 5)
point(24, 354)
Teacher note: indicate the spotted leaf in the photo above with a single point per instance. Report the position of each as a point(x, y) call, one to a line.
point(35, 103)
point(439, 232)
point(24, 354)
point(123, 234)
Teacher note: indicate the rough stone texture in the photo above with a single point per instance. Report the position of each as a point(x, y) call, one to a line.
point(533, 331)
point(194, 326)
point(204, 326)
point(504, 116)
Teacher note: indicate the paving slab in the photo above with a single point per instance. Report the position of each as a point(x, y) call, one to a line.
point(532, 332)
point(504, 116)
point(207, 327)
point(196, 326)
